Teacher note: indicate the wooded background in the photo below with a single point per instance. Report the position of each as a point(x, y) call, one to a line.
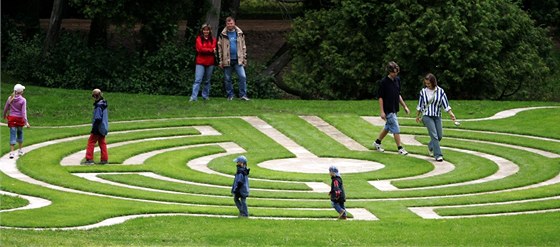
point(502, 49)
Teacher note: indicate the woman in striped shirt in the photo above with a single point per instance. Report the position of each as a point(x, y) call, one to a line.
point(432, 99)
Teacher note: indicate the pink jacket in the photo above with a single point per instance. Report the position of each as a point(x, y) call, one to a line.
point(16, 108)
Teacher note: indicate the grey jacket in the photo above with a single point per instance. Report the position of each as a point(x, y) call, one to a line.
point(223, 48)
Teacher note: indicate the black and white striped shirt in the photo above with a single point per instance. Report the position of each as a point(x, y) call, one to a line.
point(431, 102)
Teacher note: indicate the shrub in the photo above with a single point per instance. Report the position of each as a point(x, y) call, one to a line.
point(477, 49)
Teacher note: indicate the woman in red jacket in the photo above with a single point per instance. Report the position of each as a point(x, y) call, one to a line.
point(205, 50)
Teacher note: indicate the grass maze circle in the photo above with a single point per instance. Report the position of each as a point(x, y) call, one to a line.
point(184, 167)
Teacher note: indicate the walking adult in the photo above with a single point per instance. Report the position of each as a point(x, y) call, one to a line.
point(205, 59)
point(99, 128)
point(389, 99)
point(233, 56)
point(432, 99)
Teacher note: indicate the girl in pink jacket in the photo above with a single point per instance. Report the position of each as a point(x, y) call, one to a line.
point(15, 111)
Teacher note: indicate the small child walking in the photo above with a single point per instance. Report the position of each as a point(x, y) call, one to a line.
point(240, 187)
point(15, 111)
point(338, 197)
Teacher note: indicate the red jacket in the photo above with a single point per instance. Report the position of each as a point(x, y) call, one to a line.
point(205, 51)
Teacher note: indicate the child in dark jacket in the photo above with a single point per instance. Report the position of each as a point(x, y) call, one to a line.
point(240, 187)
point(338, 197)
point(99, 128)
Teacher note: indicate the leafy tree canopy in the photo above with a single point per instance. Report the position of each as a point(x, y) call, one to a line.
point(478, 49)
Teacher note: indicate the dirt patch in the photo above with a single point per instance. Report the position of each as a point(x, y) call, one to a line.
point(264, 37)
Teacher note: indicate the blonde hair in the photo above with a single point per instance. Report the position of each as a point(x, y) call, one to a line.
point(13, 96)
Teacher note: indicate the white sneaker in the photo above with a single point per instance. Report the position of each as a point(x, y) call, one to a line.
point(378, 147)
point(244, 98)
point(20, 152)
point(439, 158)
point(12, 155)
point(402, 151)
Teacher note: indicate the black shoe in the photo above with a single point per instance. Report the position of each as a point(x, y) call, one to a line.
point(88, 162)
point(103, 162)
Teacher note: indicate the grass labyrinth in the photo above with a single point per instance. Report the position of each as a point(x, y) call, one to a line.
point(183, 166)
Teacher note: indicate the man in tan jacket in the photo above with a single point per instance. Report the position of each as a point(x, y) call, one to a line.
point(233, 56)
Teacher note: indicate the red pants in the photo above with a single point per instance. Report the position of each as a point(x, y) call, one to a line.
point(93, 139)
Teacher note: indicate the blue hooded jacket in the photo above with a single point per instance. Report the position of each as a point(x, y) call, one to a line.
point(241, 181)
point(100, 121)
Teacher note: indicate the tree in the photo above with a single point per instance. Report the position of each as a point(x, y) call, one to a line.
point(477, 49)
point(158, 19)
point(54, 26)
point(544, 12)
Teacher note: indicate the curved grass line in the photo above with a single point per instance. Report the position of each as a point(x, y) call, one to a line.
point(95, 178)
point(34, 202)
point(505, 168)
point(75, 158)
point(429, 212)
point(552, 181)
point(122, 219)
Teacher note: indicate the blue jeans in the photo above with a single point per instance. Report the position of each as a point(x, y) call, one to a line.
point(202, 74)
point(433, 124)
point(240, 70)
point(392, 124)
point(16, 135)
point(338, 206)
point(241, 203)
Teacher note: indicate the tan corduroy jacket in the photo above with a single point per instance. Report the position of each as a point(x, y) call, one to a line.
point(223, 48)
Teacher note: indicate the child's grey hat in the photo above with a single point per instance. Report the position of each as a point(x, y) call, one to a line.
point(241, 159)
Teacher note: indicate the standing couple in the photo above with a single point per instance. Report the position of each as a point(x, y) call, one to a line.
point(232, 54)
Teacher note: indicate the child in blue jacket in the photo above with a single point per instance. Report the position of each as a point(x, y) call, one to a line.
point(240, 187)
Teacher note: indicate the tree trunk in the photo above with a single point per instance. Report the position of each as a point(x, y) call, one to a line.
point(234, 8)
point(213, 16)
point(193, 21)
point(54, 26)
point(275, 66)
point(98, 31)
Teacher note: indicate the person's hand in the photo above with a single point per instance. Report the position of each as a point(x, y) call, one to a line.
point(406, 110)
point(27, 125)
point(418, 119)
point(383, 116)
point(453, 117)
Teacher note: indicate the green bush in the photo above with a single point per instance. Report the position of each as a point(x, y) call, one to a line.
point(477, 49)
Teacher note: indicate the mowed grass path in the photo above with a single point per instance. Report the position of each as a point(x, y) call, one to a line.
point(284, 209)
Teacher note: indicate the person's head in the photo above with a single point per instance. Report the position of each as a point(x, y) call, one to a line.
point(393, 69)
point(205, 30)
point(333, 171)
point(240, 160)
point(18, 89)
point(96, 94)
point(430, 81)
point(230, 23)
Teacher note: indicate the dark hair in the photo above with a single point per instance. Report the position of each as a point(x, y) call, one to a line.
point(392, 67)
point(201, 34)
point(432, 78)
point(229, 18)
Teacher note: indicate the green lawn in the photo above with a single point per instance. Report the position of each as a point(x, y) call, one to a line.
point(284, 210)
